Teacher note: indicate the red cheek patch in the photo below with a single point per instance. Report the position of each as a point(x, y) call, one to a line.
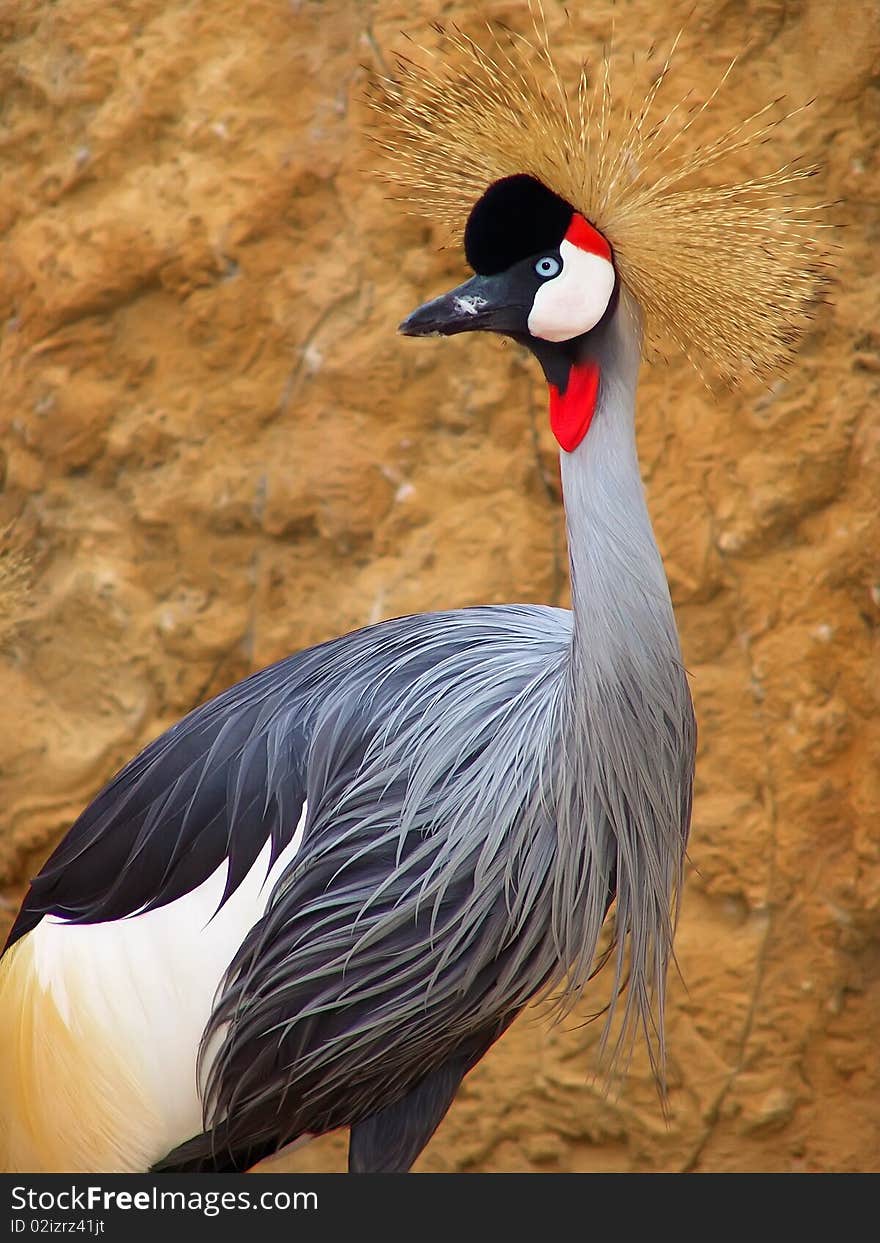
point(582, 234)
point(572, 412)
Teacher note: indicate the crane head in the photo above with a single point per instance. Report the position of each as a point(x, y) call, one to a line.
point(545, 277)
point(725, 264)
point(544, 274)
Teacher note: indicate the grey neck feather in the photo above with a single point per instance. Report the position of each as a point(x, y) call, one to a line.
point(623, 799)
point(617, 577)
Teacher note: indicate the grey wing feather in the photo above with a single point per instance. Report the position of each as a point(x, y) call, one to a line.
point(216, 786)
point(412, 917)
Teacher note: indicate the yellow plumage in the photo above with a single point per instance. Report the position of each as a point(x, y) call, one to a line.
point(727, 272)
point(72, 1100)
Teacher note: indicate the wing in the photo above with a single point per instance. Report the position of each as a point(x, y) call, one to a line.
point(231, 775)
point(414, 923)
point(111, 968)
point(217, 786)
point(189, 866)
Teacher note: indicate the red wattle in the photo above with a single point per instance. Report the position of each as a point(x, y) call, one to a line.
point(572, 412)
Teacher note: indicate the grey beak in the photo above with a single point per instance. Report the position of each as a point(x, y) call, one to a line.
point(483, 302)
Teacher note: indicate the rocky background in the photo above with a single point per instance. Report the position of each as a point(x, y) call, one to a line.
point(214, 449)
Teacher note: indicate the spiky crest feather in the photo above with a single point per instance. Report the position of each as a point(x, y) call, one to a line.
point(727, 272)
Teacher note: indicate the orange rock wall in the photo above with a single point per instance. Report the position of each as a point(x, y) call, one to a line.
point(215, 449)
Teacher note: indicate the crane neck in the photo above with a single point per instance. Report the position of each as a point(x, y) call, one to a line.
point(625, 737)
point(620, 597)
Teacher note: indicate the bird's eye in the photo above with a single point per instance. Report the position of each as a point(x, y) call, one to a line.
point(547, 267)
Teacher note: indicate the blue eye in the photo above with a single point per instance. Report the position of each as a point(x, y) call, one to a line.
point(548, 266)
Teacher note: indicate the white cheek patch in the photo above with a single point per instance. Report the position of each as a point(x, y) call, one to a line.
point(575, 300)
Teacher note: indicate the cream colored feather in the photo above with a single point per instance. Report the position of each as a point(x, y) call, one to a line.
point(728, 272)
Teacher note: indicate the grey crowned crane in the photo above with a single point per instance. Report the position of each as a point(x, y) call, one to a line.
point(317, 900)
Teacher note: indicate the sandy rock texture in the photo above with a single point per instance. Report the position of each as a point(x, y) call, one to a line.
point(215, 449)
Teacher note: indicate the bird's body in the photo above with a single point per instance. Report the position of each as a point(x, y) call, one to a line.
point(318, 899)
point(427, 762)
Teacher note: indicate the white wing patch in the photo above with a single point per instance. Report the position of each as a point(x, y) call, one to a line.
point(574, 301)
point(103, 1022)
